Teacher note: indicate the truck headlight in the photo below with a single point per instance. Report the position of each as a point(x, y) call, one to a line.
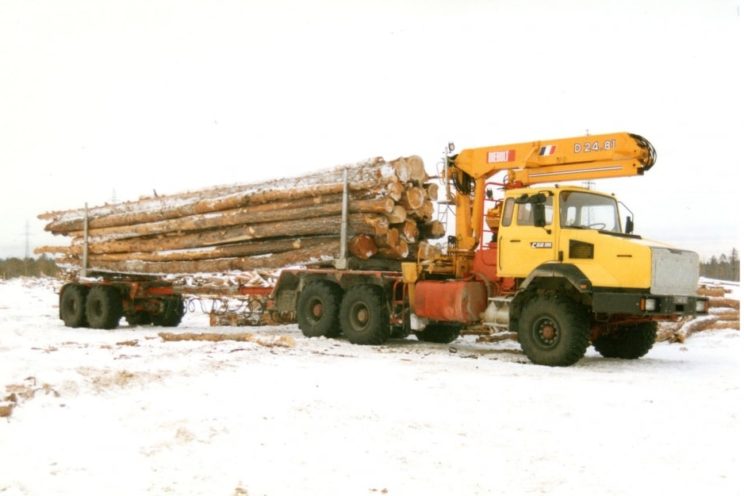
point(648, 304)
point(700, 306)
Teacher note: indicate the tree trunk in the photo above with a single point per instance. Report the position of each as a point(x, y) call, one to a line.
point(409, 230)
point(397, 216)
point(413, 198)
point(363, 246)
point(432, 191)
point(358, 224)
point(245, 249)
point(398, 252)
point(432, 230)
point(247, 215)
point(295, 257)
point(427, 251)
point(425, 213)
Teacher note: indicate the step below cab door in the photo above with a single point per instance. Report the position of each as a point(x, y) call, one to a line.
point(527, 235)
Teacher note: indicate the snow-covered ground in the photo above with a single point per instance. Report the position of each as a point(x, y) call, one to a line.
point(122, 412)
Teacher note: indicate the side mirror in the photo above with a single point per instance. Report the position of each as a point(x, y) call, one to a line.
point(628, 225)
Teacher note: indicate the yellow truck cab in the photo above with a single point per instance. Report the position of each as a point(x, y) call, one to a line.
point(577, 230)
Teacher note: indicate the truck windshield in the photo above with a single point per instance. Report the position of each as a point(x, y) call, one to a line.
point(589, 211)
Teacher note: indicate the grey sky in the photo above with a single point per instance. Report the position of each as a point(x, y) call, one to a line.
point(100, 98)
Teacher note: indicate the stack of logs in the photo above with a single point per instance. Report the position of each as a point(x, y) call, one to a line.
point(257, 226)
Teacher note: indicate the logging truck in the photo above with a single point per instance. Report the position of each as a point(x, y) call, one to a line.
point(554, 263)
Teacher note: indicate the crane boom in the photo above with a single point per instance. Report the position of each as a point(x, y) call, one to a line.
point(566, 159)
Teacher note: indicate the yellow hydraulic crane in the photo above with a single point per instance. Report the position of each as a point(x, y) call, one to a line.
point(566, 159)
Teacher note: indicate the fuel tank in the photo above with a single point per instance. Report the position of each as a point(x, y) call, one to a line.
point(450, 301)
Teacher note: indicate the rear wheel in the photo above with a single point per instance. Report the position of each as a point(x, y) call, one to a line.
point(553, 331)
point(439, 333)
point(72, 305)
point(630, 341)
point(103, 307)
point(171, 313)
point(317, 309)
point(364, 315)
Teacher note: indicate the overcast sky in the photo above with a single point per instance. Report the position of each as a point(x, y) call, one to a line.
point(102, 99)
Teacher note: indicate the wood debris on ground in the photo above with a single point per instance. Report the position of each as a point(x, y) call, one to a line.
point(263, 340)
point(723, 313)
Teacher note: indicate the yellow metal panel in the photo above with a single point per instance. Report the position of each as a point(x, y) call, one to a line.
point(524, 247)
point(618, 262)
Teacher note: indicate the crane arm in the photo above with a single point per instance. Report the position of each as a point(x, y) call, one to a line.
point(566, 159)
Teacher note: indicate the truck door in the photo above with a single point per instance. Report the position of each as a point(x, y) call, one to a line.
point(523, 245)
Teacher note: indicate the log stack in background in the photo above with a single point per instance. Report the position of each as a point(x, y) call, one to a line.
point(268, 225)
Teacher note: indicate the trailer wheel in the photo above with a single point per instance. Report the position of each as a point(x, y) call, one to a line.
point(364, 315)
point(171, 314)
point(629, 342)
point(553, 331)
point(439, 333)
point(103, 307)
point(72, 305)
point(317, 310)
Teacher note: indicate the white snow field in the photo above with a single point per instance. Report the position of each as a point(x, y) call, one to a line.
point(125, 413)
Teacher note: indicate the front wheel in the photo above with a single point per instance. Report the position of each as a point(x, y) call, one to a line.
point(364, 315)
point(629, 342)
point(553, 331)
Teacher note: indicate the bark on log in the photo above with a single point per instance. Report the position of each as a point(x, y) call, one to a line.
point(236, 217)
point(372, 170)
point(358, 224)
point(374, 173)
point(302, 256)
point(207, 205)
point(257, 226)
point(245, 249)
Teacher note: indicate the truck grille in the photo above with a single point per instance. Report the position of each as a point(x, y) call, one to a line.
point(674, 272)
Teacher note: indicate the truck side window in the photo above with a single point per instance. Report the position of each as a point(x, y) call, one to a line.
point(506, 217)
point(525, 214)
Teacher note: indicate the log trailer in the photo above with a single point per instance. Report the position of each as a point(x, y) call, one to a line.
point(553, 263)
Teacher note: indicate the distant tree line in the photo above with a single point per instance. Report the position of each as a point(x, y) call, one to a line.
point(31, 267)
point(722, 267)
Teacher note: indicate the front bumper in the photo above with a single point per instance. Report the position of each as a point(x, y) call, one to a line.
point(609, 302)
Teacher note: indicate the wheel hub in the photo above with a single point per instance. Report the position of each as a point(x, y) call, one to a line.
point(547, 332)
point(362, 316)
point(317, 310)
